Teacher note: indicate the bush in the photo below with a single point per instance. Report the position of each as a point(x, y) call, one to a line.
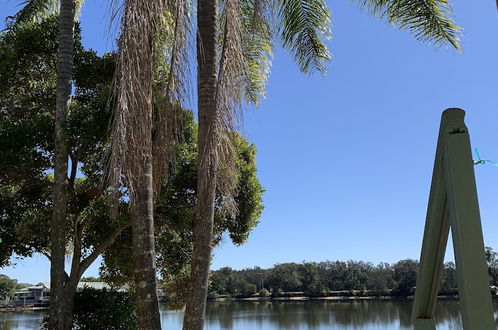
point(104, 309)
point(277, 292)
point(264, 293)
point(212, 295)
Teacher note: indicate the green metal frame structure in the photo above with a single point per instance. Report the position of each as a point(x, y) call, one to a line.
point(453, 203)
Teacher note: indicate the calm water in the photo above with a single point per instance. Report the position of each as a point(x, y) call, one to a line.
point(317, 315)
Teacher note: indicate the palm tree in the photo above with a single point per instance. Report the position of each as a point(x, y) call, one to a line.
point(59, 312)
point(140, 152)
point(428, 20)
point(33, 10)
point(207, 74)
point(240, 69)
point(151, 58)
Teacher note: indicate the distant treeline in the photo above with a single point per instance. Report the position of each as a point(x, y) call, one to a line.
point(333, 278)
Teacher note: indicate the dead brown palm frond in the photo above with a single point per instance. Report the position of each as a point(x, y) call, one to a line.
point(173, 77)
point(229, 96)
point(132, 123)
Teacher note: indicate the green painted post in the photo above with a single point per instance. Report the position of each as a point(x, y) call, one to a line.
point(468, 244)
point(453, 202)
point(436, 232)
point(425, 324)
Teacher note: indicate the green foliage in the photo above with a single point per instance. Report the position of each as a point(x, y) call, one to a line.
point(103, 310)
point(264, 293)
point(449, 281)
point(223, 282)
point(405, 277)
point(312, 283)
point(33, 11)
point(492, 261)
point(175, 213)
point(303, 27)
point(28, 59)
point(380, 278)
point(91, 279)
point(7, 287)
point(286, 277)
point(332, 278)
point(258, 48)
point(428, 20)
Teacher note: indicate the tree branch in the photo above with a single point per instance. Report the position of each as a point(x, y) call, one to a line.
point(89, 194)
point(76, 262)
point(74, 170)
point(101, 248)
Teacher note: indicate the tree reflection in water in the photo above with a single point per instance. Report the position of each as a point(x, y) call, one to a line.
point(389, 314)
point(296, 315)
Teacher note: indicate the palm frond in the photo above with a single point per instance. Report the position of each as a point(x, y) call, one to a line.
point(258, 47)
point(36, 10)
point(428, 20)
point(33, 10)
point(131, 147)
point(304, 25)
point(229, 96)
point(172, 76)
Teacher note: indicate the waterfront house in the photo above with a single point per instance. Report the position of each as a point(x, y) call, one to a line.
point(35, 295)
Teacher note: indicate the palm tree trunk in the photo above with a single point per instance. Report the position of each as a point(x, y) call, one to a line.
point(141, 21)
point(144, 251)
point(60, 194)
point(206, 182)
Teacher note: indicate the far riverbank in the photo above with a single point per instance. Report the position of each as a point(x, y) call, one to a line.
point(331, 298)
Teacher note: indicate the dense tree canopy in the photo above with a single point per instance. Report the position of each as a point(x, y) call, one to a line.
point(7, 287)
point(329, 278)
point(28, 58)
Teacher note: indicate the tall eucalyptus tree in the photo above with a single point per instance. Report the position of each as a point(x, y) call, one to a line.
point(234, 43)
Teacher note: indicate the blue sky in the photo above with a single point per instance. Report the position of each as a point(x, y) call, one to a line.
point(346, 159)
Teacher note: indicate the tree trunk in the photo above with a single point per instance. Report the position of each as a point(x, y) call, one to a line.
point(67, 302)
point(63, 98)
point(206, 182)
point(141, 19)
point(144, 252)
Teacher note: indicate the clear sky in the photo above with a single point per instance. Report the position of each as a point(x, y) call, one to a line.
point(346, 159)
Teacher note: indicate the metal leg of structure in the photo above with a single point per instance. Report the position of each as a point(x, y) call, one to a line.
point(468, 243)
point(425, 324)
point(453, 202)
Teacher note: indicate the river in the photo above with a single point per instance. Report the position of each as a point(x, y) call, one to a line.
point(302, 315)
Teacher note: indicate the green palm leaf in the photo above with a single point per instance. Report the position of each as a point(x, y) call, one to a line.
point(258, 47)
point(428, 20)
point(32, 10)
point(303, 26)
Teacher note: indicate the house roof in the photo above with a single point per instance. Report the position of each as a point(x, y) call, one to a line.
point(93, 285)
point(81, 285)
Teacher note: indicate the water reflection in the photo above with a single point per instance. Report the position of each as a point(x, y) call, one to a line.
point(391, 314)
point(314, 314)
point(21, 320)
point(298, 315)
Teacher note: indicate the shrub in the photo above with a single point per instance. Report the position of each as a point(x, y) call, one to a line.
point(104, 309)
point(264, 293)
